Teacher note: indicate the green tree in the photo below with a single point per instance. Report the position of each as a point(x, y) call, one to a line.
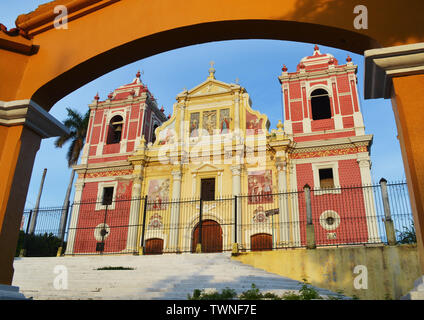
point(77, 124)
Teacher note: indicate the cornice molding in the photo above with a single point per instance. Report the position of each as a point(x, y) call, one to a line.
point(31, 115)
point(111, 166)
point(333, 144)
point(16, 43)
point(381, 65)
point(42, 18)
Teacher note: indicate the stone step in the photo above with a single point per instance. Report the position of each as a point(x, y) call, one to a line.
point(153, 277)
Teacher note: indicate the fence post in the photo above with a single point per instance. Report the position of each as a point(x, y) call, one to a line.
point(199, 242)
point(310, 231)
point(37, 204)
point(23, 251)
point(235, 244)
point(388, 222)
point(62, 228)
point(143, 230)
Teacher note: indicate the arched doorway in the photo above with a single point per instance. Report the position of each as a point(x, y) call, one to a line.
point(154, 246)
point(211, 236)
point(261, 242)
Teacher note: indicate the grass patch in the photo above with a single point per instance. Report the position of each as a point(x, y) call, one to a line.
point(115, 268)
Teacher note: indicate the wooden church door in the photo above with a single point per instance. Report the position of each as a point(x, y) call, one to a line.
point(211, 236)
point(261, 241)
point(154, 246)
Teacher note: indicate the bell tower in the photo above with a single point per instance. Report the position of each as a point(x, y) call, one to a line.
point(118, 123)
point(321, 99)
point(322, 116)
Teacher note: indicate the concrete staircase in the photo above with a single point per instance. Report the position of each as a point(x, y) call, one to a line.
point(153, 277)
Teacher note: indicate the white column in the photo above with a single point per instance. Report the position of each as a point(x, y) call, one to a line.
point(79, 185)
point(237, 111)
point(236, 171)
point(194, 184)
point(220, 183)
point(182, 107)
point(338, 121)
point(307, 126)
point(358, 122)
point(134, 212)
point(368, 193)
point(86, 148)
point(104, 126)
point(283, 203)
point(294, 204)
point(175, 210)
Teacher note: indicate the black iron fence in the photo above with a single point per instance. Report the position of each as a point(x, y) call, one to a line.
point(43, 231)
point(377, 214)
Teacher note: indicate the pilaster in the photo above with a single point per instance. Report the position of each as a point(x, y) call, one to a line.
point(175, 209)
point(79, 186)
point(283, 203)
point(398, 73)
point(23, 124)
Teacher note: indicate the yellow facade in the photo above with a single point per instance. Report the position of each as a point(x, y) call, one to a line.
point(213, 134)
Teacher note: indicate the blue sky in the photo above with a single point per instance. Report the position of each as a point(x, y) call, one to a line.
point(256, 63)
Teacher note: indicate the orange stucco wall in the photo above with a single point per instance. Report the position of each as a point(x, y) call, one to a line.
point(408, 105)
point(128, 30)
point(9, 152)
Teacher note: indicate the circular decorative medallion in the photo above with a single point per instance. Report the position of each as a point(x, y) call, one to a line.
point(155, 221)
point(101, 232)
point(329, 220)
point(259, 215)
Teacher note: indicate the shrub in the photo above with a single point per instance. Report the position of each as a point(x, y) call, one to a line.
point(38, 245)
point(226, 294)
point(255, 294)
point(307, 292)
point(408, 235)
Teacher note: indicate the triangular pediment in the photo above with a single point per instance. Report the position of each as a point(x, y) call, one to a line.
point(207, 167)
point(210, 86)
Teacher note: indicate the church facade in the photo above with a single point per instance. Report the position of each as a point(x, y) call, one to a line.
point(213, 176)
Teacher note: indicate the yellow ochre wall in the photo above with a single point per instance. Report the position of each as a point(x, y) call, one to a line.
point(391, 270)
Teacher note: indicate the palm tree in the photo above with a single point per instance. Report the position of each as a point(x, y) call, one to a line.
point(77, 125)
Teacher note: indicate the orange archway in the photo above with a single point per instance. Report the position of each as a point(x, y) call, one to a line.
point(42, 64)
point(103, 35)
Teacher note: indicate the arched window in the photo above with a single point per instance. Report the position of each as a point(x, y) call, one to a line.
point(153, 132)
point(115, 130)
point(320, 104)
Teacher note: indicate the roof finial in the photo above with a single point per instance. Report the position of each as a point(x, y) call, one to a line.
point(284, 68)
point(97, 97)
point(138, 76)
point(316, 50)
point(348, 59)
point(211, 71)
point(280, 126)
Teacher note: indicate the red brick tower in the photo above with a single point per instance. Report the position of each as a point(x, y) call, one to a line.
point(322, 115)
point(115, 129)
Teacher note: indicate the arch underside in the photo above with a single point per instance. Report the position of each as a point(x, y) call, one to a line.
point(81, 74)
